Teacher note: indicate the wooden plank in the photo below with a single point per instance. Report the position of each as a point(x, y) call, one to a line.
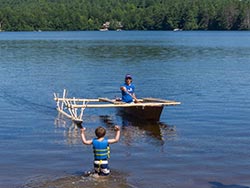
point(124, 105)
point(64, 113)
point(76, 99)
point(156, 100)
point(111, 101)
point(69, 116)
point(106, 100)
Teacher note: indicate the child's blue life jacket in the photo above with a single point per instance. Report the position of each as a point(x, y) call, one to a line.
point(101, 149)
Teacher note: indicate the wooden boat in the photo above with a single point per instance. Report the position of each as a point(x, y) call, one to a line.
point(151, 113)
point(147, 108)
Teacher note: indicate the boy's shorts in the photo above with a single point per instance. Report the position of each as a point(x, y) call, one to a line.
point(101, 167)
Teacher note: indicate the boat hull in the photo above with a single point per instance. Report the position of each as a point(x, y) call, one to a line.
point(149, 113)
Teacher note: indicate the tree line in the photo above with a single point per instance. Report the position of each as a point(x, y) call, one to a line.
point(59, 15)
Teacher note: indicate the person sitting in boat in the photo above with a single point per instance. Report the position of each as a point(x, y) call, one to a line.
point(101, 149)
point(128, 90)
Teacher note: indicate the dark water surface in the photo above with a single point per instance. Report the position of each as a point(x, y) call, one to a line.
point(204, 142)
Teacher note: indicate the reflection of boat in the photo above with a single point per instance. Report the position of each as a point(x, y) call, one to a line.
point(152, 128)
point(147, 108)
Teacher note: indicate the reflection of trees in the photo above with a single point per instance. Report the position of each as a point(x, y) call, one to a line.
point(137, 50)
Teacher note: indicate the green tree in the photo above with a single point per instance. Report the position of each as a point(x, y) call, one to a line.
point(17, 15)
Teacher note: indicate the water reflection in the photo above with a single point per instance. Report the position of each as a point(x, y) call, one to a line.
point(133, 130)
point(70, 129)
point(135, 51)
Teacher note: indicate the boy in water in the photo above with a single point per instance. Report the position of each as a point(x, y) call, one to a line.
point(101, 149)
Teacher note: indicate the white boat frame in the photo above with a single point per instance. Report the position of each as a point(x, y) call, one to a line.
point(69, 106)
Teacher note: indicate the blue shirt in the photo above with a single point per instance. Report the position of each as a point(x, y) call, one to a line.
point(126, 97)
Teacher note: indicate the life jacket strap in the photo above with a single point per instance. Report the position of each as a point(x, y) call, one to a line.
point(107, 152)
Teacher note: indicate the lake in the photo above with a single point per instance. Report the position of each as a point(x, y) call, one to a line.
point(204, 142)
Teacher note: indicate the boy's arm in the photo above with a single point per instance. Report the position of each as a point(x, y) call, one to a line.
point(123, 88)
point(117, 136)
point(83, 137)
point(135, 98)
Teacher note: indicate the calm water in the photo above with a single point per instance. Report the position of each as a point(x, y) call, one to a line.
point(204, 142)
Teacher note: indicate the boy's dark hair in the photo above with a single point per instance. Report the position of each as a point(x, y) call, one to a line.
point(100, 132)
